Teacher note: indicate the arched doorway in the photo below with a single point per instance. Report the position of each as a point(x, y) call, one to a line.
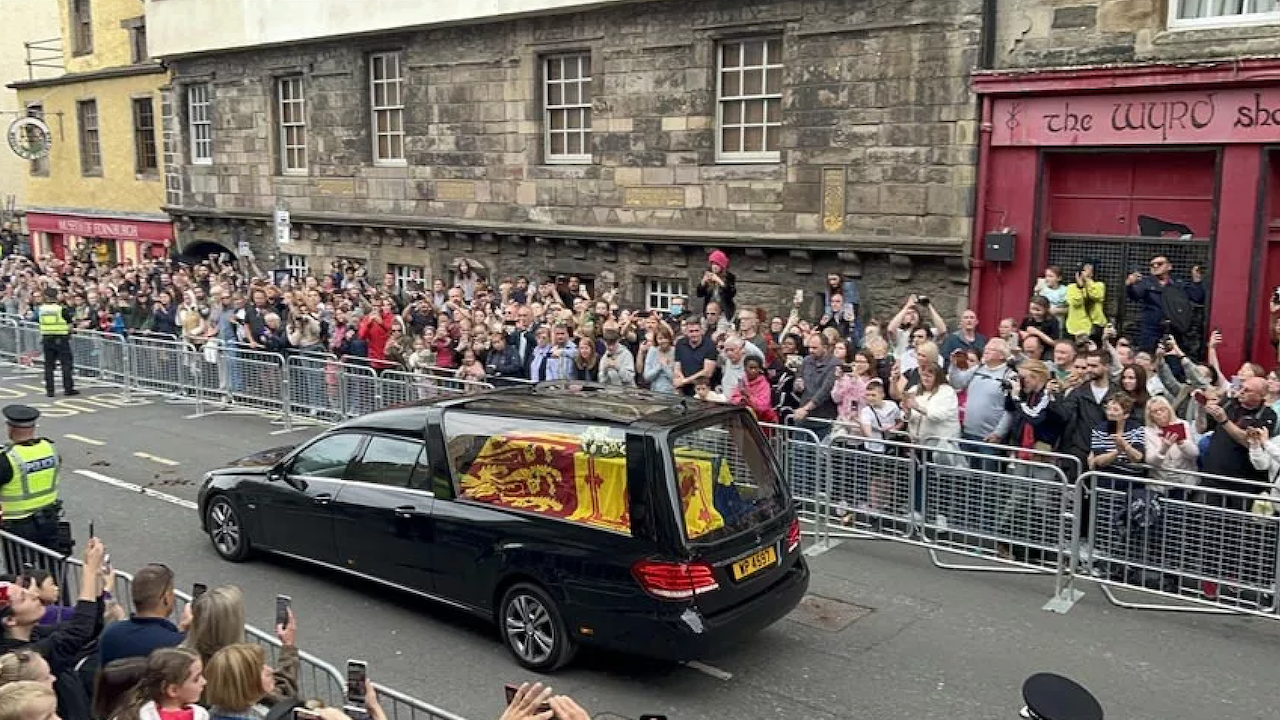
point(200, 251)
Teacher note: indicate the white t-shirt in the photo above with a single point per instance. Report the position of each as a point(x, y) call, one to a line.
point(878, 420)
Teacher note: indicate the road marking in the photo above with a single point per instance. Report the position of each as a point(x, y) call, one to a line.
point(711, 670)
point(83, 439)
point(154, 458)
point(108, 480)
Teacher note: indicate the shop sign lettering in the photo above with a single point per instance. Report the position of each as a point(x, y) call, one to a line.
point(1232, 116)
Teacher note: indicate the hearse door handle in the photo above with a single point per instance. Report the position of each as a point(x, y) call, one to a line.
point(406, 512)
point(323, 499)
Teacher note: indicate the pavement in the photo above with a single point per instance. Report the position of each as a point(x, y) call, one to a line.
point(885, 634)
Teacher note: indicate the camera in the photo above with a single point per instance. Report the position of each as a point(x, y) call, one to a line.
point(922, 300)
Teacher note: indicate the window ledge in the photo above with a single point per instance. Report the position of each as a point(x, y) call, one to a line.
point(1216, 33)
point(91, 173)
point(147, 177)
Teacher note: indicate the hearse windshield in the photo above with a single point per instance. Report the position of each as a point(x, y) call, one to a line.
point(725, 478)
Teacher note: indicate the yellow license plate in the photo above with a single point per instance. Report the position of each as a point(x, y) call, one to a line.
point(766, 558)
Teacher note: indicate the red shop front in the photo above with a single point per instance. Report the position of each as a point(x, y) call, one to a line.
point(106, 239)
point(1122, 164)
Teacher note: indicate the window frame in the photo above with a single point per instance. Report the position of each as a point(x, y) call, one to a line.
point(582, 108)
point(296, 264)
point(1174, 22)
point(283, 126)
point(391, 110)
point(89, 138)
point(40, 166)
point(404, 275)
point(202, 120)
point(141, 142)
point(81, 12)
point(361, 438)
point(418, 456)
point(138, 42)
point(650, 293)
point(722, 101)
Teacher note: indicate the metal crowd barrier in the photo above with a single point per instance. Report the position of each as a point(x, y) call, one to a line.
point(997, 508)
point(219, 377)
point(317, 679)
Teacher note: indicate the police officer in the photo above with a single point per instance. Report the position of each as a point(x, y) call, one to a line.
point(55, 336)
point(29, 505)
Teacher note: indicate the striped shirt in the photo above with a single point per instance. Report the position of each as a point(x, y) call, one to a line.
point(1103, 441)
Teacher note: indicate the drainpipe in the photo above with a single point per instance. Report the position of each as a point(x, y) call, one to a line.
point(980, 204)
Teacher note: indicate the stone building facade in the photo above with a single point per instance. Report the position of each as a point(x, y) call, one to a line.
point(801, 136)
point(1126, 130)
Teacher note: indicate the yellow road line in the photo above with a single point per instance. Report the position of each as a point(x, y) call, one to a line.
point(83, 439)
point(153, 458)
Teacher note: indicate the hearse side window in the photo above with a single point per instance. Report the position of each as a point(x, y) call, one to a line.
point(726, 479)
point(572, 472)
point(386, 461)
point(327, 457)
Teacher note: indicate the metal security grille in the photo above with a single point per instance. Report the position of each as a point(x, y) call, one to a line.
point(1117, 257)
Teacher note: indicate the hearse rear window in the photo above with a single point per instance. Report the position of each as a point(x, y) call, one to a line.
point(572, 472)
point(726, 480)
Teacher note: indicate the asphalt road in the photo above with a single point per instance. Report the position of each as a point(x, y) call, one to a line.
point(895, 638)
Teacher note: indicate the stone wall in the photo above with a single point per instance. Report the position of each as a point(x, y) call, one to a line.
point(877, 146)
point(1048, 33)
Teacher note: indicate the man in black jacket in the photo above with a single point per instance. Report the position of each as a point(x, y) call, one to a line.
point(62, 646)
point(1084, 407)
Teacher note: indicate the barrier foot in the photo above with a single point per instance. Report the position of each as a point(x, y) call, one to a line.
point(1062, 602)
point(1109, 593)
point(994, 566)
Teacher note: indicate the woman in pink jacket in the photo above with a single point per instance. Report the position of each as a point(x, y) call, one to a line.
point(755, 391)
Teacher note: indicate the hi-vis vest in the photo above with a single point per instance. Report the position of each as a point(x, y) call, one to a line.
point(34, 484)
point(52, 323)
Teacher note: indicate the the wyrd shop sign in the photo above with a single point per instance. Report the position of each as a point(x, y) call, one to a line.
point(1188, 117)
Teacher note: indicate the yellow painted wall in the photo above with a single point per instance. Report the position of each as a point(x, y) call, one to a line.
point(110, 41)
point(119, 189)
point(24, 21)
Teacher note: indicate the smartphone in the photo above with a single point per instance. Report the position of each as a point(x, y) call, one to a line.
point(91, 529)
point(1200, 397)
point(511, 691)
point(198, 589)
point(799, 296)
point(357, 676)
point(283, 603)
point(302, 713)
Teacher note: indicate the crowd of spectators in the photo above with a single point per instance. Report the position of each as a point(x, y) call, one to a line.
point(91, 661)
point(1061, 378)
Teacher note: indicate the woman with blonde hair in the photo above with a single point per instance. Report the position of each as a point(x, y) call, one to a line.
point(217, 621)
point(21, 665)
point(240, 685)
point(1172, 446)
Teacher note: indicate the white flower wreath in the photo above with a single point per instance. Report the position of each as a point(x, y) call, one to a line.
point(595, 441)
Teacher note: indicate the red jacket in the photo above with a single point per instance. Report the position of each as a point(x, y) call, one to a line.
point(374, 330)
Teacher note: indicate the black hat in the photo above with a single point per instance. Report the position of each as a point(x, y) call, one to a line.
point(21, 416)
point(1053, 697)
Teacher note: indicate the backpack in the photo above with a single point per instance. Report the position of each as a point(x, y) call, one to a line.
point(324, 333)
point(1177, 308)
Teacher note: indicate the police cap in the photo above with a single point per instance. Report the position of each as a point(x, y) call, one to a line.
point(21, 416)
point(1053, 697)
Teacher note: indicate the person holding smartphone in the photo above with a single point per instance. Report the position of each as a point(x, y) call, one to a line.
point(150, 626)
point(1172, 444)
point(1119, 443)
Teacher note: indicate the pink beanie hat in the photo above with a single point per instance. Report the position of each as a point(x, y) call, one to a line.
point(719, 258)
